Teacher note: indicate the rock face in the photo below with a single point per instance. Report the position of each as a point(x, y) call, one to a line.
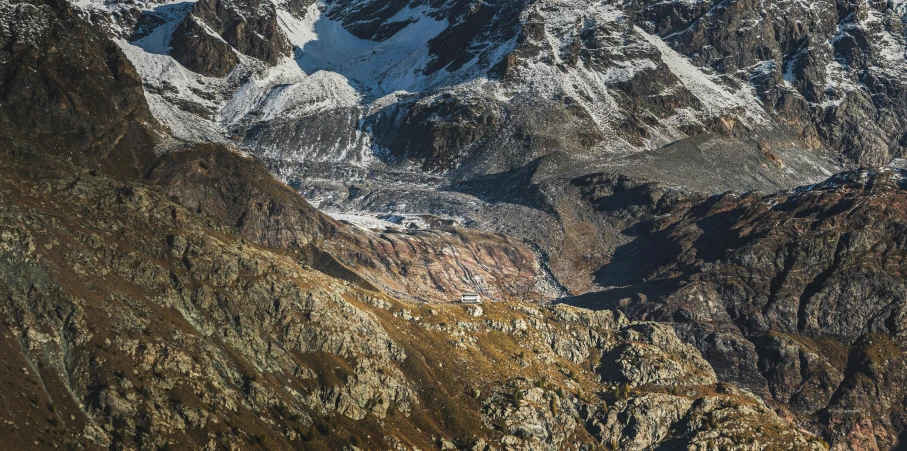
point(434, 133)
point(439, 264)
point(201, 51)
point(67, 89)
point(798, 295)
point(205, 41)
point(238, 190)
point(834, 70)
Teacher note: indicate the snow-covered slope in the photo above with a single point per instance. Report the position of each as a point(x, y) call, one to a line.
point(581, 61)
point(467, 88)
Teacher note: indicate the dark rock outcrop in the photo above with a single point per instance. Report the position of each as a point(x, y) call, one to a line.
point(438, 133)
point(67, 89)
point(206, 39)
point(239, 190)
point(368, 20)
point(200, 51)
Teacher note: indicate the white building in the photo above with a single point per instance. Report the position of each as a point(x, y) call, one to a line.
point(470, 298)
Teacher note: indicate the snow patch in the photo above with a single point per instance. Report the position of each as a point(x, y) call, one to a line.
point(375, 68)
point(716, 98)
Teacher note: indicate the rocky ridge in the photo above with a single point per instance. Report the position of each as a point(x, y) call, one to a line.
point(797, 296)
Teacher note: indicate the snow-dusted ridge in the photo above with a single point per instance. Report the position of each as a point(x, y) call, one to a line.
point(331, 69)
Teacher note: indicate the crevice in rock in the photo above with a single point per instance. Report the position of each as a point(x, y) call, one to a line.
point(813, 288)
point(779, 279)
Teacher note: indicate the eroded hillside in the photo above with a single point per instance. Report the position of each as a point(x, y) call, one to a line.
point(134, 322)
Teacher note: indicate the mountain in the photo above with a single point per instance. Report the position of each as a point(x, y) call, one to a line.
point(477, 88)
point(417, 108)
point(235, 224)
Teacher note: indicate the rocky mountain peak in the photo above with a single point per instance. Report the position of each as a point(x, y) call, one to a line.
point(208, 40)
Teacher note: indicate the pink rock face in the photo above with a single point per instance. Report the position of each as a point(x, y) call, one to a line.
point(439, 265)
